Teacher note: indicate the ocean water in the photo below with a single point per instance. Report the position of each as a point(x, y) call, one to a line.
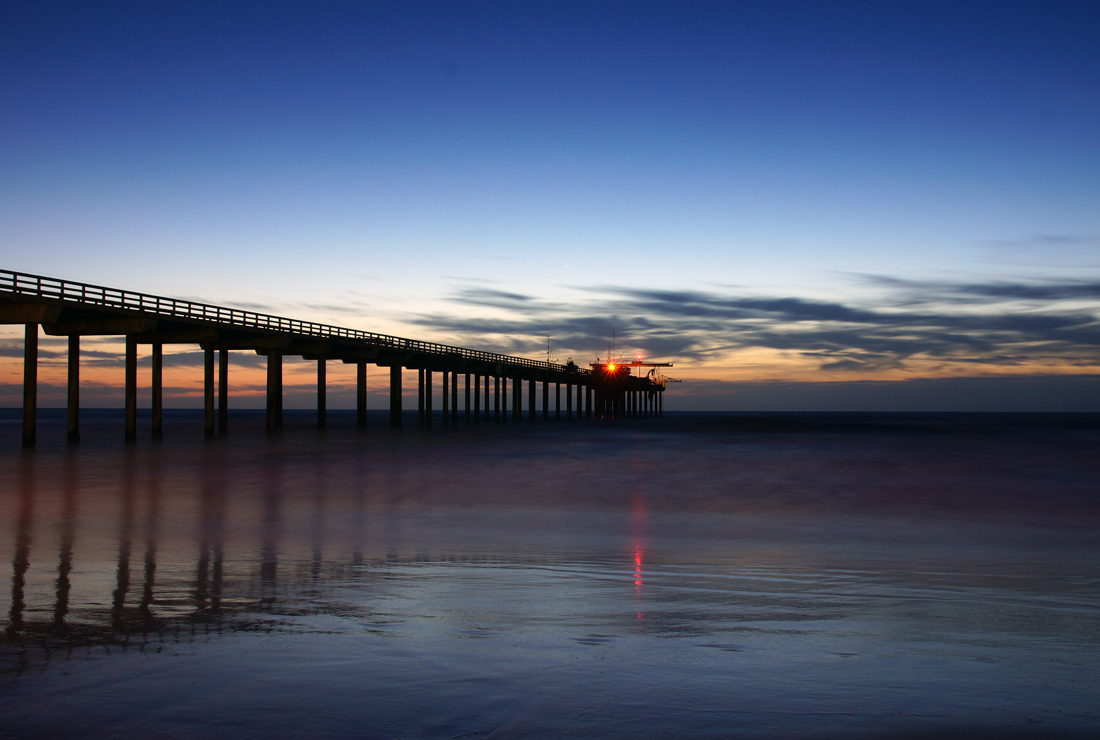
point(695, 576)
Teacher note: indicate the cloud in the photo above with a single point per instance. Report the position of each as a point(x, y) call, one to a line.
point(996, 324)
point(15, 349)
point(930, 291)
point(1046, 240)
point(1045, 250)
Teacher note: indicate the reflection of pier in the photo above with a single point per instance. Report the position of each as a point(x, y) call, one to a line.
point(63, 308)
point(73, 594)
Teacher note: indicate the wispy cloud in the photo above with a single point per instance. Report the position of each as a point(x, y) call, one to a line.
point(1046, 250)
point(1046, 240)
point(949, 324)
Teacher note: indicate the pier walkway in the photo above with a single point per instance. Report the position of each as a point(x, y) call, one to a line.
point(71, 309)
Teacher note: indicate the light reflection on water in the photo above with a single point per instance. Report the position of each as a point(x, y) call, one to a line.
point(685, 578)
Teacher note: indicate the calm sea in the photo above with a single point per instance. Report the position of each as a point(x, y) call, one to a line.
point(696, 576)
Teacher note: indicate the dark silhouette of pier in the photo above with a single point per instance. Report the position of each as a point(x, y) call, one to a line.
point(70, 309)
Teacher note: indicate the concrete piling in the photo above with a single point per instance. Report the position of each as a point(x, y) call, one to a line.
point(30, 385)
point(395, 396)
point(131, 389)
point(208, 393)
point(420, 397)
point(360, 394)
point(428, 398)
point(454, 396)
point(274, 390)
point(322, 400)
point(223, 392)
point(446, 398)
point(73, 421)
point(156, 390)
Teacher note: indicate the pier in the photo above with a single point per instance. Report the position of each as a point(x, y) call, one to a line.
point(481, 380)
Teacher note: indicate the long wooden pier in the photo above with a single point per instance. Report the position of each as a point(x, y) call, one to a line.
point(71, 309)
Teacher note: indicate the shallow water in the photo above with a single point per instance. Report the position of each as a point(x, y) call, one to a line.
point(693, 576)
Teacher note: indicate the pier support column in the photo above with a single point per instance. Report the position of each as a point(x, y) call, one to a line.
point(427, 398)
point(360, 394)
point(660, 404)
point(223, 392)
point(73, 425)
point(395, 396)
point(446, 398)
point(496, 397)
point(156, 391)
point(208, 393)
point(322, 400)
point(454, 396)
point(580, 401)
point(568, 400)
point(131, 389)
point(517, 399)
point(420, 397)
point(467, 404)
point(274, 390)
point(504, 398)
point(588, 402)
point(30, 385)
point(545, 400)
point(531, 399)
point(488, 383)
point(477, 399)
point(557, 400)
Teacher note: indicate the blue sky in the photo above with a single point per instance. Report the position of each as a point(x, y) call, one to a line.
point(491, 173)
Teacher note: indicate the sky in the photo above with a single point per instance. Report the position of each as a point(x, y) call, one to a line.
point(803, 206)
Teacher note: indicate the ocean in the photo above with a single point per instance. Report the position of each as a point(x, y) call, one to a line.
point(691, 576)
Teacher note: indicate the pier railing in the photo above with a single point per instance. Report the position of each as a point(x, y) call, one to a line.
point(39, 286)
